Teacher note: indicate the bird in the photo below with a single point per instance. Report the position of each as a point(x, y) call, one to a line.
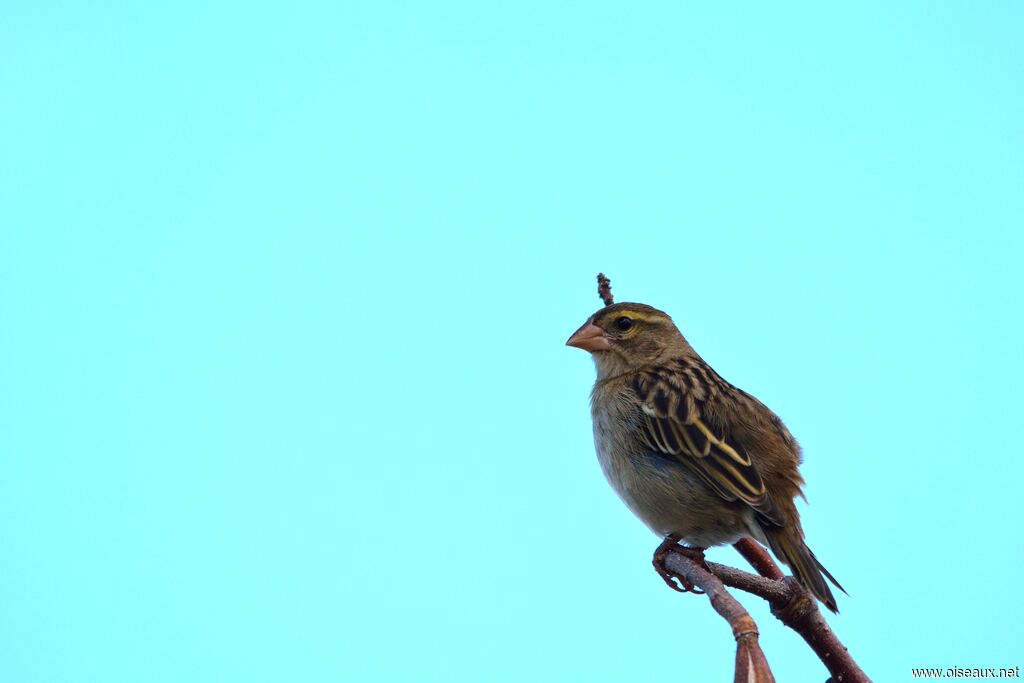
point(697, 459)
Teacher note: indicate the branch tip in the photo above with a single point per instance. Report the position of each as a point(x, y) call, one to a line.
point(604, 289)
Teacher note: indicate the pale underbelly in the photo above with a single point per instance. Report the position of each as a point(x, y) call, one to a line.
point(670, 499)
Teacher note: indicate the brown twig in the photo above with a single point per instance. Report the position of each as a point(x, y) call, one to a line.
point(751, 665)
point(794, 606)
point(759, 559)
point(772, 591)
point(604, 289)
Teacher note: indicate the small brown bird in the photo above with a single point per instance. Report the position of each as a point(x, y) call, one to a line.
point(695, 458)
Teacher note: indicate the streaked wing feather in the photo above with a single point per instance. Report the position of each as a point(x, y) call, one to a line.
point(673, 425)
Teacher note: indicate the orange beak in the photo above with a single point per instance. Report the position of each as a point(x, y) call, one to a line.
point(590, 337)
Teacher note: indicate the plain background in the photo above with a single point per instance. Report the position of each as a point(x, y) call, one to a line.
point(284, 289)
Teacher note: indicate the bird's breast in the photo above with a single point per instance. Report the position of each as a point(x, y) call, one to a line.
point(662, 492)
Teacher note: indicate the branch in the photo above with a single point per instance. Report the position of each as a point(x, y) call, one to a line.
point(772, 591)
point(790, 603)
point(751, 665)
point(794, 607)
point(759, 559)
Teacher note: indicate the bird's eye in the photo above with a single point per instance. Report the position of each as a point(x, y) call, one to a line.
point(624, 323)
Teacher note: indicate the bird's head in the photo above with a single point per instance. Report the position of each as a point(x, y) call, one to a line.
point(626, 336)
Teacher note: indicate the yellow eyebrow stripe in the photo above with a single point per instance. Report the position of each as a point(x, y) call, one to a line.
point(638, 316)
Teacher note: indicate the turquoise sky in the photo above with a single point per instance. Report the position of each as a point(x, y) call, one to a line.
point(284, 289)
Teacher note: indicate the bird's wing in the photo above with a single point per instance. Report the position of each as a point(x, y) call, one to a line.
point(676, 406)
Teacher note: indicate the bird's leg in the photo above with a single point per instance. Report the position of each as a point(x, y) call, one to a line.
point(669, 545)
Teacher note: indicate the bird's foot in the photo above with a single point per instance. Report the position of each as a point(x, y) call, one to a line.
point(671, 545)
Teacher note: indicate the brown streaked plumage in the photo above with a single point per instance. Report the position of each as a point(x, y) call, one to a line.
point(690, 454)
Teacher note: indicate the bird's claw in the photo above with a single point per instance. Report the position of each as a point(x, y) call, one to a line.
point(670, 545)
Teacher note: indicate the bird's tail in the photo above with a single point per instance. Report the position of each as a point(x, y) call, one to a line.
point(789, 547)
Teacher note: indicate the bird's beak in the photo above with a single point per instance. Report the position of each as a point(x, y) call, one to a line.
point(590, 337)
